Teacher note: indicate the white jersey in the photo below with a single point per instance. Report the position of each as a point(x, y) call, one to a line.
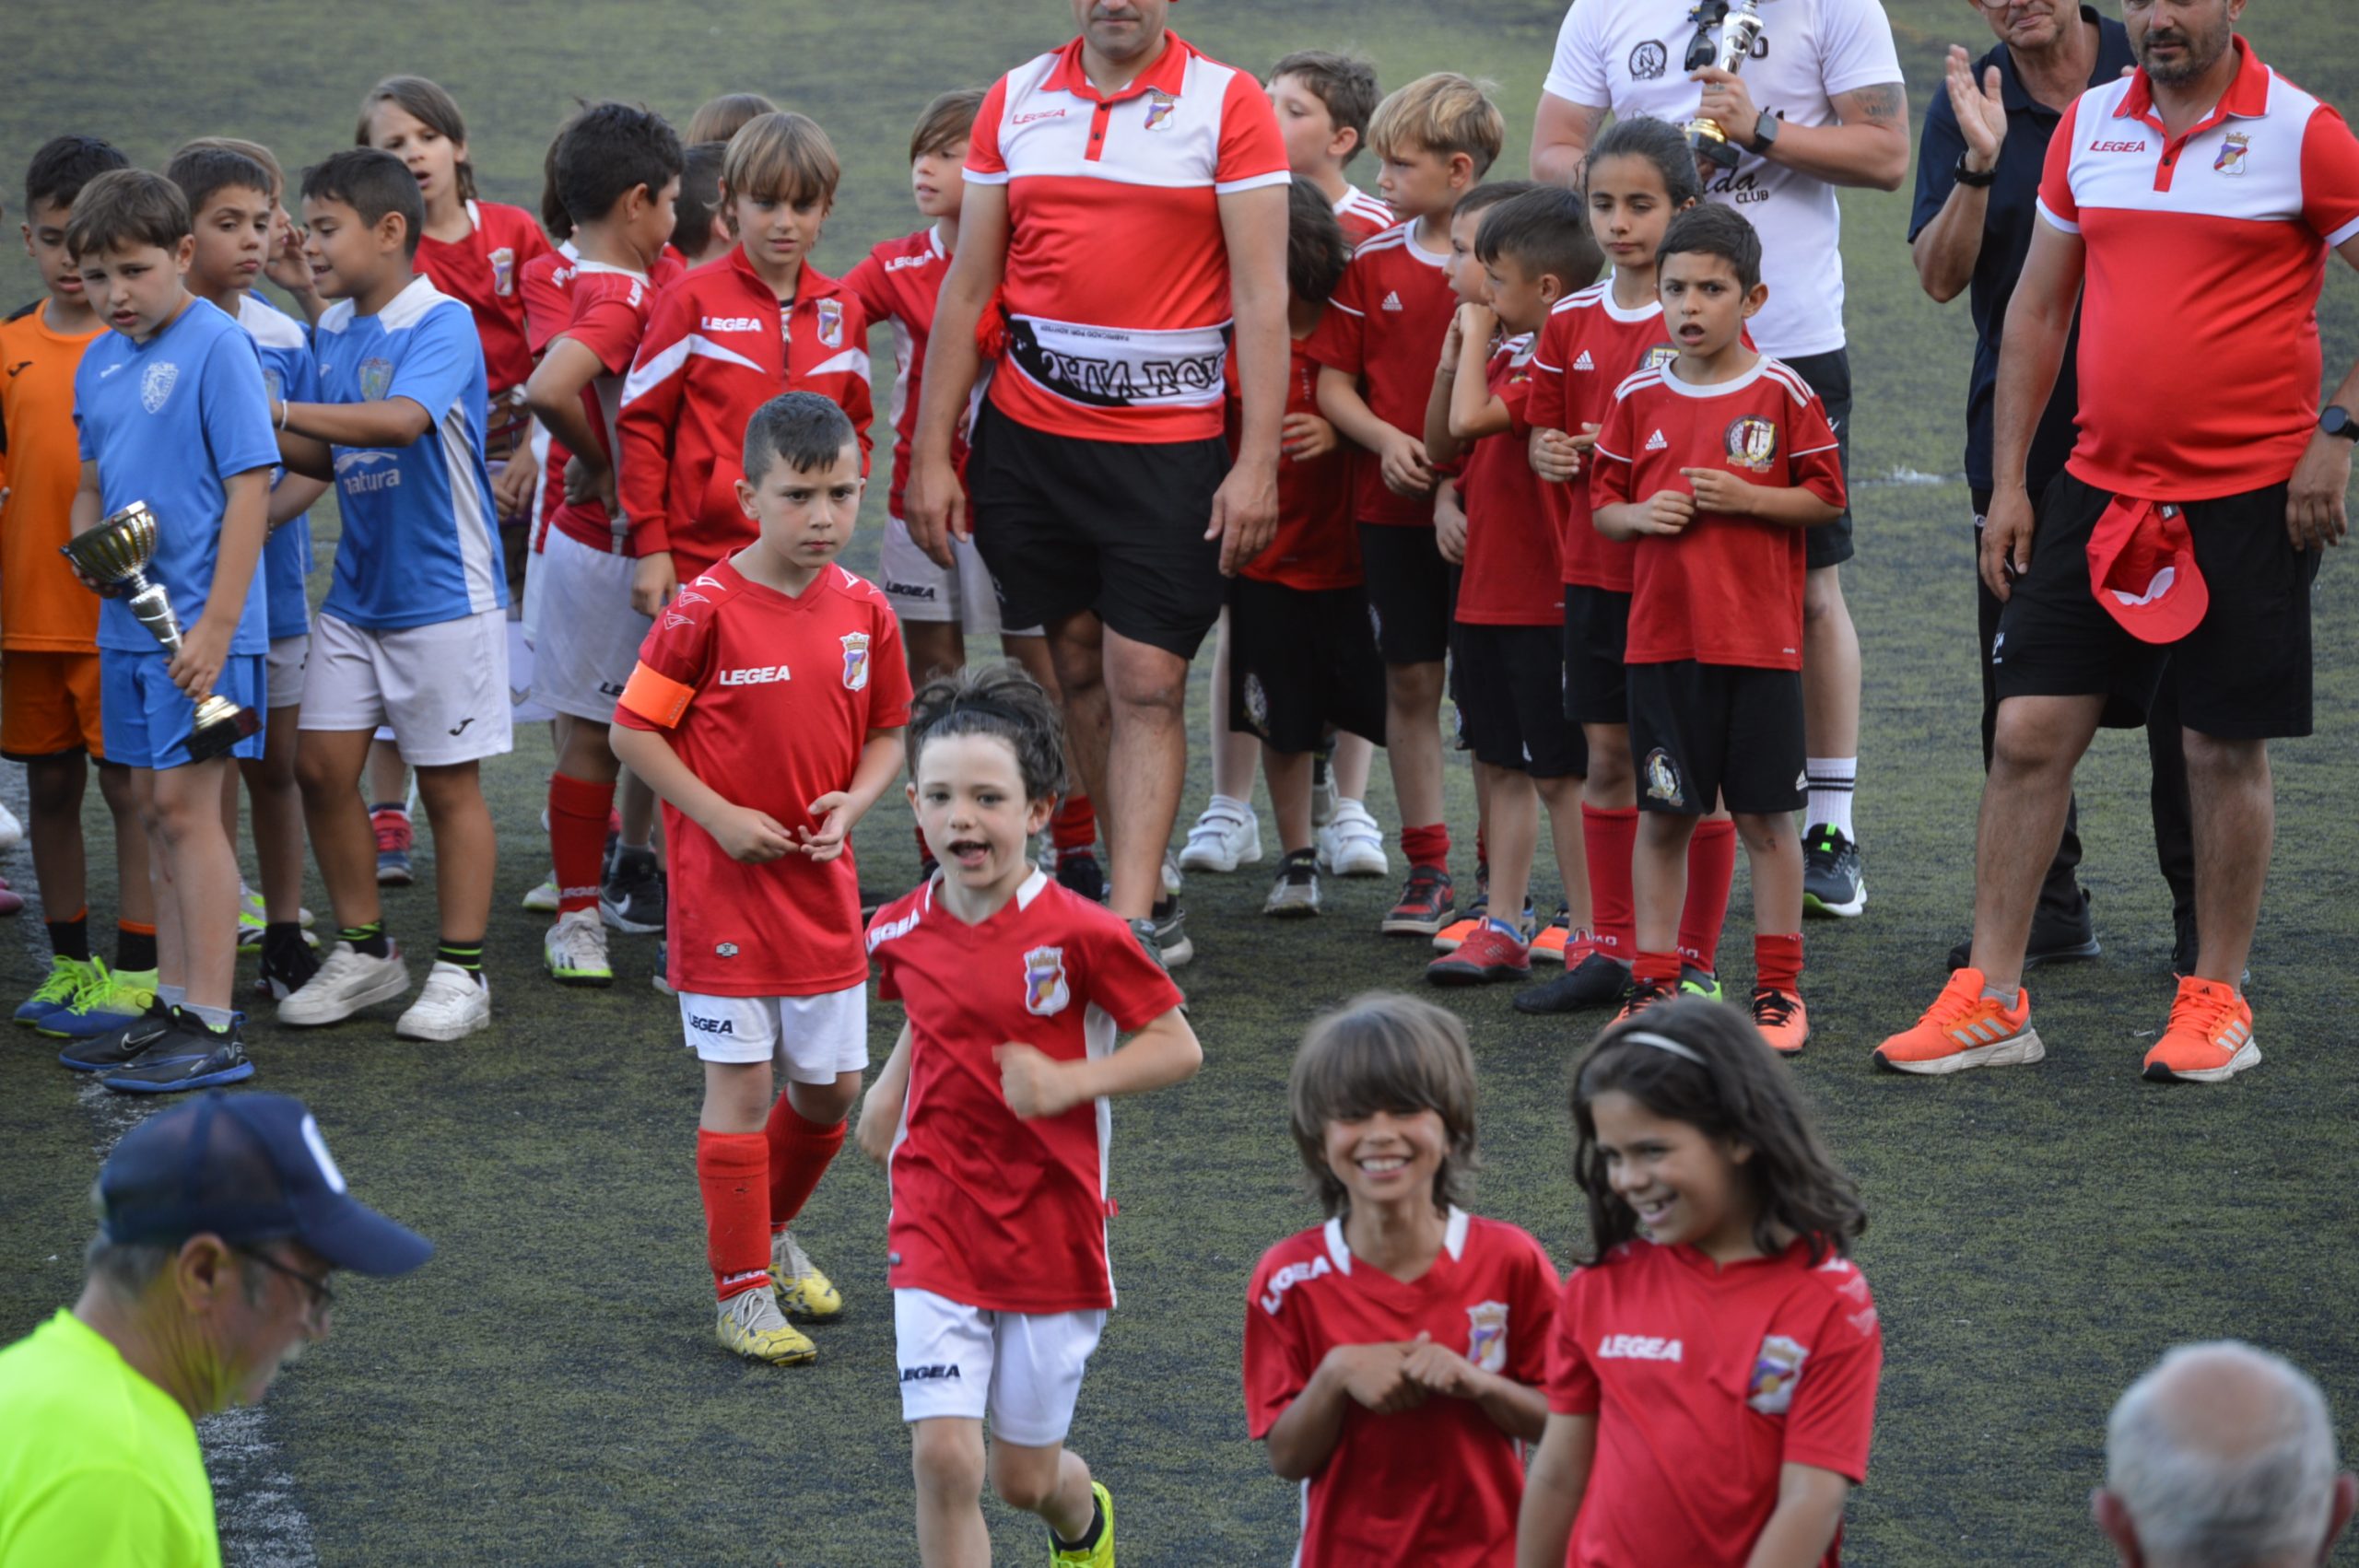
point(1626, 55)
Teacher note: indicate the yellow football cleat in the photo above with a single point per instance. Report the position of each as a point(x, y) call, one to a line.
point(803, 1290)
point(752, 1325)
point(1099, 1556)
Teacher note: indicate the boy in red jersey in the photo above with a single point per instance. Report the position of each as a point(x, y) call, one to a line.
point(992, 1118)
point(724, 340)
point(776, 675)
point(1376, 349)
point(1528, 251)
point(1324, 102)
point(1715, 463)
point(618, 174)
point(1393, 1355)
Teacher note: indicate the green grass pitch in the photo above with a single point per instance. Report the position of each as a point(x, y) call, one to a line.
point(547, 1390)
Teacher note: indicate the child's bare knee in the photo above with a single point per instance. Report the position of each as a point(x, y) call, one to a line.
point(947, 1458)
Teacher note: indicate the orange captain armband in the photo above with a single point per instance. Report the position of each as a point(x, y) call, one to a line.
point(657, 698)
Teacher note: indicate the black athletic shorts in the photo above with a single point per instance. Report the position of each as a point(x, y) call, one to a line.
point(1597, 632)
point(1702, 731)
point(1411, 592)
point(1300, 659)
point(2243, 673)
point(1117, 529)
point(1512, 701)
point(1829, 376)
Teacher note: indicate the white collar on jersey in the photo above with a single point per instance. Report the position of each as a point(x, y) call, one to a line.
point(1453, 1239)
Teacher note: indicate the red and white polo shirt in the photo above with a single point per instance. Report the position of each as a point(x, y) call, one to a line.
point(2199, 354)
point(1116, 288)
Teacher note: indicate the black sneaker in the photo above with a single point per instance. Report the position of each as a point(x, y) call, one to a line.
point(2185, 951)
point(191, 1055)
point(1170, 922)
point(1831, 880)
point(1078, 872)
point(2055, 938)
point(1295, 895)
point(1425, 905)
point(1592, 979)
point(103, 1053)
point(632, 901)
point(285, 968)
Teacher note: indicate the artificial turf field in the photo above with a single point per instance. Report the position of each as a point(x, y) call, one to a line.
point(547, 1390)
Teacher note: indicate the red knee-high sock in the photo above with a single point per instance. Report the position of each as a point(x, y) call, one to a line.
point(578, 814)
point(799, 1152)
point(1428, 846)
point(1608, 837)
point(732, 1168)
point(1076, 824)
point(1660, 967)
point(1778, 962)
point(1711, 861)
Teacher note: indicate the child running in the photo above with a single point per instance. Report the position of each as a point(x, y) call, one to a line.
point(1394, 1355)
point(1712, 1384)
point(992, 1121)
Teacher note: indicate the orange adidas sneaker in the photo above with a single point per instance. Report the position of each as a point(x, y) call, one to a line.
point(1963, 1029)
point(2210, 1037)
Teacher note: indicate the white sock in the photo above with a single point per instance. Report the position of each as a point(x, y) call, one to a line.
point(1229, 805)
point(1831, 779)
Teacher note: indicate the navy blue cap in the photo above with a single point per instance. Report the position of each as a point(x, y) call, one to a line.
point(246, 1168)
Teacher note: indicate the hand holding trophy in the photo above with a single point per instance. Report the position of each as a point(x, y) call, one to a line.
point(1743, 24)
point(115, 555)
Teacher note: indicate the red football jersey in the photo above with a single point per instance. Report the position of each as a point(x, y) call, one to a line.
point(1725, 590)
point(481, 272)
point(1437, 1486)
point(610, 317)
point(899, 282)
point(769, 700)
point(1362, 215)
point(991, 1210)
point(1316, 547)
point(1704, 1380)
point(547, 287)
point(1385, 326)
point(1510, 577)
point(1589, 346)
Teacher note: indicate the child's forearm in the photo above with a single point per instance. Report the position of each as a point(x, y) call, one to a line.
point(1340, 401)
point(650, 754)
point(880, 764)
point(1795, 506)
point(1439, 445)
point(1517, 1409)
point(554, 394)
point(293, 496)
point(246, 523)
point(1474, 412)
point(1553, 1489)
point(303, 455)
point(82, 514)
point(395, 422)
point(1620, 521)
point(1303, 1439)
point(1809, 1512)
point(880, 1109)
point(1164, 1053)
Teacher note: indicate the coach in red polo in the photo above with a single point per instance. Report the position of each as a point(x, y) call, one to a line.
point(2188, 206)
point(1126, 200)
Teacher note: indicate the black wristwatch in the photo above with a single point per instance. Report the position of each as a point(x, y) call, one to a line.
point(1969, 178)
point(1765, 133)
point(2335, 421)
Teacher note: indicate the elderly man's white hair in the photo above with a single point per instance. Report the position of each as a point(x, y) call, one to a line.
point(2222, 1456)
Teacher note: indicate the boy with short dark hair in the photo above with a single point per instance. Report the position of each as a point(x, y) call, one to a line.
point(765, 709)
point(49, 628)
point(1715, 463)
point(1324, 102)
point(618, 174)
point(1376, 348)
point(172, 413)
point(413, 632)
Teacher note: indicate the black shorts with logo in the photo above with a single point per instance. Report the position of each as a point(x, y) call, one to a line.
point(1698, 732)
point(1511, 694)
point(1412, 592)
point(1300, 659)
point(1067, 525)
point(1597, 632)
point(1829, 376)
point(2243, 673)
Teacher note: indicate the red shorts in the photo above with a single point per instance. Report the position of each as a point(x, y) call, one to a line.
point(49, 705)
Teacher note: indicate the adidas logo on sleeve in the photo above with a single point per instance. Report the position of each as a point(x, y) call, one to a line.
point(1655, 443)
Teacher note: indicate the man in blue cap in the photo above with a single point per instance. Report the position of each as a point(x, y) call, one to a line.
point(219, 1223)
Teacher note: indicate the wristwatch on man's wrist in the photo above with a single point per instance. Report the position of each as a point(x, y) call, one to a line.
point(2338, 421)
point(1765, 133)
point(1972, 179)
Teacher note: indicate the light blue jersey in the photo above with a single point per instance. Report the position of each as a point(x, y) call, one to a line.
point(166, 421)
point(289, 374)
point(420, 540)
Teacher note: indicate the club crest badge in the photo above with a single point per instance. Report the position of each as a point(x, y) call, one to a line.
point(1486, 1335)
point(1752, 443)
point(2232, 153)
point(1775, 1371)
point(156, 385)
point(1662, 781)
point(376, 379)
point(831, 323)
point(1649, 62)
point(1160, 107)
point(855, 661)
point(1045, 991)
point(1257, 705)
point(1661, 355)
point(503, 272)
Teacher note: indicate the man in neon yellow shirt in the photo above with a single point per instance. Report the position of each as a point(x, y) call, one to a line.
point(220, 1223)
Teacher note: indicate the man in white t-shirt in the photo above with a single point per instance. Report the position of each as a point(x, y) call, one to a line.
point(1819, 104)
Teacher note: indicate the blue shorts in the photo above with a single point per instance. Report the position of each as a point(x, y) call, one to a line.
point(145, 719)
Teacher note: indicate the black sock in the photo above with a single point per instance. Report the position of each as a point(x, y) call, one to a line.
point(467, 955)
point(400, 806)
point(370, 939)
point(71, 939)
point(134, 950)
point(280, 935)
point(1089, 1537)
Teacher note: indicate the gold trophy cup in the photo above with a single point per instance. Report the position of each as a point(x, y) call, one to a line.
point(1709, 137)
point(115, 555)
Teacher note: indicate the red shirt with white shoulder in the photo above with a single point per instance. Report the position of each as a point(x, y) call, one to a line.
point(1437, 1486)
point(1363, 216)
point(1725, 590)
point(768, 698)
point(481, 272)
point(1706, 1379)
point(545, 284)
point(1510, 578)
point(1117, 286)
point(900, 281)
point(1385, 326)
point(989, 1209)
point(1588, 347)
point(1315, 547)
point(609, 318)
point(2205, 256)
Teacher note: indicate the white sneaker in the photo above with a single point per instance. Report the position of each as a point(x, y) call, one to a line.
point(348, 981)
point(574, 951)
point(451, 1003)
point(12, 832)
point(1353, 844)
point(542, 900)
point(1222, 842)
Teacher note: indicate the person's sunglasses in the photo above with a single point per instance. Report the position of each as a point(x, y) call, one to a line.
point(318, 1300)
point(1704, 48)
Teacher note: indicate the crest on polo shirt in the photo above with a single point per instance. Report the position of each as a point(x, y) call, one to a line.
point(855, 661)
point(503, 272)
point(1160, 107)
point(1486, 1335)
point(1775, 1371)
point(1257, 704)
point(2232, 153)
point(1661, 355)
point(156, 385)
point(1649, 61)
point(376, 379)
point(831, 323)
point(1752, 442)
point(1045, 991)
point(1663, 779)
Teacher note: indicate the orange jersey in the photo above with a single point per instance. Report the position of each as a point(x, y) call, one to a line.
point(43, 607)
